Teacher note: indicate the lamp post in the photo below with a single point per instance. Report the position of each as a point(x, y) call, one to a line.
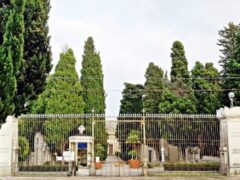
point(93, 170)
point(144, 145)
point(231, 96)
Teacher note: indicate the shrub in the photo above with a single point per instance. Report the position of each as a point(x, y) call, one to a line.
point(191, 166)
point(44, 168)
point(23, 148)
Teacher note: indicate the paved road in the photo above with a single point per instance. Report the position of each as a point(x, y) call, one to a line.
point(121, 178)
point(115, 167)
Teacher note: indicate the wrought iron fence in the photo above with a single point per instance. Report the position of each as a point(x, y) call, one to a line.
point(127, 145)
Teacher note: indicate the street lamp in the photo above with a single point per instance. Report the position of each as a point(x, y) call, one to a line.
point(231, 96)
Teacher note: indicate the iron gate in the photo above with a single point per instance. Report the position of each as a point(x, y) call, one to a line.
point(159, 142)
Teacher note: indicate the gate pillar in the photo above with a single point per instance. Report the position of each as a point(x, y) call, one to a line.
point(9, 147)
point(229, 140)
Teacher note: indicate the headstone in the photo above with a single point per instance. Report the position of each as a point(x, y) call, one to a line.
point(192, 154)
point(41, 152)
point(173, 153)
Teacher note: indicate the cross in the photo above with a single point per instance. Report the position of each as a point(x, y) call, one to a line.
point(81, 129)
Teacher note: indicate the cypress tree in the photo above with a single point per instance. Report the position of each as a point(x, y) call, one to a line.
point(62, 95)
point(178, 96)
point(63, 90)
point(179, 67)
point(11, 54)
point(37, 55)
point(132, 99)
point(5, 7)
point(92, 79)
point(205, 82)
point(153, 88)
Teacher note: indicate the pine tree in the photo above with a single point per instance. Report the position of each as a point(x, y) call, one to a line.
point(92, 79)
point(132, 99)
point(11, 55)
point(37, 55)
point(207, 87)
point(230, 61)
point(153, 88)
point(227, 42)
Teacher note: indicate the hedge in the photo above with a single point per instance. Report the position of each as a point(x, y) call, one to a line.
point(44, 168)
point(191, 166)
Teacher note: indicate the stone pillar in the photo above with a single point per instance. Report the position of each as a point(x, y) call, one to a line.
point(9, 147)
point(229, 140)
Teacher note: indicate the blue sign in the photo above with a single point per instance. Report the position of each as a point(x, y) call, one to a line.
point(82, 145)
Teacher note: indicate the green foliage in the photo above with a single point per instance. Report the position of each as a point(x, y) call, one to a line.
point(133, 139)
point(153, 88)
point(92, 79)
point(191, 166)
point(37, 56)
point(11, 55)
point(44, 168)
point(63, 95)
point(177, 96)
point(132, 99)
point(133, 154)
point(23, 148)
point(205, 82)
point(230, 61)
point(100, 151)
point(179, 67)
point(63, 91)
point(171, 103)
point(5, 9)
point(227, 42)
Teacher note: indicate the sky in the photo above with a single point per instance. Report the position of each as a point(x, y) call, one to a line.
point(129, 34)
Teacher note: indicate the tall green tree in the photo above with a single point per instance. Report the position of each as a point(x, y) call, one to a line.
point(5, 7)
point(179, 68)
point(11, 55)
point(207, 87)
point(63, 95)
point(178, 96)
point(153, 87)
point(229, 42)
point(92, 79)
point(37, 55)
point(132, 99)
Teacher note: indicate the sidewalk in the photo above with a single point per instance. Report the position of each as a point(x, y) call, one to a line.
point(121, 178)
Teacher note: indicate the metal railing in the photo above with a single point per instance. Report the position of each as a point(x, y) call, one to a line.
point(160, 142)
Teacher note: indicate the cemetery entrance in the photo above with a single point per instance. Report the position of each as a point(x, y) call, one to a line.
point(126, 145)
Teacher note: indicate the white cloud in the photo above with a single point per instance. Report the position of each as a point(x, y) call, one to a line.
point(130, 34)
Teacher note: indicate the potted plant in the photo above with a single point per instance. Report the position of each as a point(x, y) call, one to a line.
point(134, 139)
point(99, 153)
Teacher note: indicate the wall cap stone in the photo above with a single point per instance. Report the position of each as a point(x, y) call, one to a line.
point(228, 113)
